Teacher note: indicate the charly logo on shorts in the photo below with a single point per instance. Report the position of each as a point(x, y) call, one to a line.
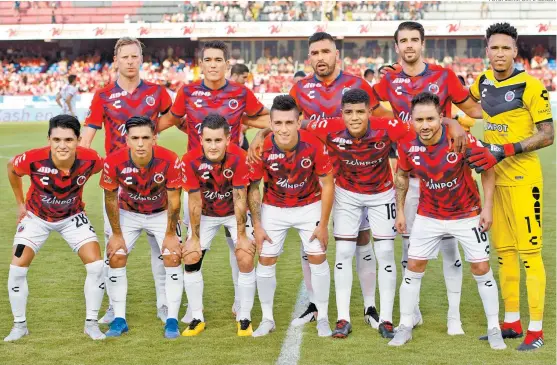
point(509, 96)
point(434, 88)
point(305, 163)
point(81, 180)
point(233, 104)
point(158, 178)
point(150, 100)
point(452, 157)
point(228, 173)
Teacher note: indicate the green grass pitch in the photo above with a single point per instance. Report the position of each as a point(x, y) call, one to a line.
point(56, 305)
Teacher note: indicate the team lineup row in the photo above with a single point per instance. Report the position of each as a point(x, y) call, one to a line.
point(340, 159)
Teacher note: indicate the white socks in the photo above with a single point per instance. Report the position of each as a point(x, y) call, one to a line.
point(307, 273)
point(367, 273)
point(193, 283)
point(512, 317)
point(452, 270)
point(93, 289)
point(117, 288)
point(409, 295)
point(487, 287)
point(157, 267)
point(321, 282)
point(234, 267)
point(266, 286)
point(246, 292)
point(385, 254)
point(345, 251)
point(18, 291)
point(174, 283)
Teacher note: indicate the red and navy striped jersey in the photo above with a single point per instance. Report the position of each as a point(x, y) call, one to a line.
point(292, 177)
point(398, 89)
point(197, 101)
point(215, 180)
point(112, 106)
point(361, 164)
point(142, 190)
point(317, 100)
point(447, 189)
point(55, 195)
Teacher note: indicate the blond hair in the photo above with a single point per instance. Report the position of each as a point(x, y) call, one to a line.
point(125, 41)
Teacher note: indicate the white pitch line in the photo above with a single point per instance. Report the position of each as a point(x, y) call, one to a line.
point(10, 145)
point(290, 350)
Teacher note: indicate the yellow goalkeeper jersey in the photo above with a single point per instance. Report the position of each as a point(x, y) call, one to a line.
point(511, 109)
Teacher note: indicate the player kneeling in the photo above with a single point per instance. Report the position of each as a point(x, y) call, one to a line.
point(148, 178)
point(449, 204)
point(293, 164)
point(216, 176)
point(58, 173)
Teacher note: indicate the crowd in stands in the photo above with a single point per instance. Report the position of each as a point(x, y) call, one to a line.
point(25, 73)
point(239, 11)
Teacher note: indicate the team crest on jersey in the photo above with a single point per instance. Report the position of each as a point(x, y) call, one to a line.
point(452, 157)
point(20, 228)
point(158, 178)
point(150, 100)
point(81, 180)
point(305, 163)
point(233, 104)
point(509, 96)
point(379, 145)
point(434, 88)
point(228, 173)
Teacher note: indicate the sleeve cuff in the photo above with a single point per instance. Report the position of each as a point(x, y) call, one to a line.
point(549, 120)
point(93, 126)
point(460, 102)
point(473, 97)
point(239, 187)
point(258, 112)
point(176, 115)
point(192, 190)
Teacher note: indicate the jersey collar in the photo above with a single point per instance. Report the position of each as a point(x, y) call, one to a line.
point(72, 169)
point(208, 88)
point(366, 134)
point(137, 88)
point(280, 149)
point(420, 74)
point(514, 73)
point(148, 165)
point(332, 82)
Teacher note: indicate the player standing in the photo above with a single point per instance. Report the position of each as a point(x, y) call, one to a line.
point(215, 94)
point(240, 73)
point(111, 107)
point(142, 192)
point(398, 87)
point(216, 177)
point(513, 103)
point(65, 98)
point(449, 203)
point(58, 173)
point(293, 165)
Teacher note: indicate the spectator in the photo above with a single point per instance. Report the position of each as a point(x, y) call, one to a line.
point(298, 76)
point(239, 73)
point(369, 76)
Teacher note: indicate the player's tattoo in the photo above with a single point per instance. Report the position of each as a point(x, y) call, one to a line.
point(173, 211)
point(112, 210)
point(194, 206)
point(254, 202)
point(542, 139)
point(240, 209)
point(402, 182)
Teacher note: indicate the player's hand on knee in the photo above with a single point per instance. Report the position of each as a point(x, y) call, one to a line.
point(191, 251)
point(246, 245)
point(260, 236)
point(115, 243)
point(400, 223)
point(171, 246)
point(21, 212)
point(486, 220)
point(321, 233)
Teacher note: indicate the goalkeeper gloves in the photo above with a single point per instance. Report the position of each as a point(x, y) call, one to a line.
point(486, 155)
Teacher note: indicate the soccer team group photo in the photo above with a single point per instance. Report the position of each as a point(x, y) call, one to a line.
point(261, 196)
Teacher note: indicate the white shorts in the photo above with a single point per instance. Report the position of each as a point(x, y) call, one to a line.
point(185, 206)
point(276, 222)
point(350, 209)
point(209, 226)
point(411, 204)
point(132, 224)
point(76, 230)
point(428, 232)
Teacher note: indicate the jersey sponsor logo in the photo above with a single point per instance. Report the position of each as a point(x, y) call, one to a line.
point(452, 157)
point(81, 180)
point(228, 173)
point(509, 96)
point(488, 82)
point(311, 85)
point(275, 156)
point(342, 142)
point(204, 166)
point(54, 200)
point(150, 100)
point(158, 178)
point(129, 170)
point(496, 127)
point(283, 183)
point(233, 104)
point(117, 95)
point(433, 88)
point(201, 93)
point(145, 198)
point(311, 94)
point(362, 163)
point(438, 185)
point(198, 103)
point(401, 80)
point(417, 149)
point(212, 195)
point(305, 163)
point(47, 170)
point(19, 159)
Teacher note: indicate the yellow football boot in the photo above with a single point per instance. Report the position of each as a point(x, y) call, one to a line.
point(244, 328)
point(195, 328)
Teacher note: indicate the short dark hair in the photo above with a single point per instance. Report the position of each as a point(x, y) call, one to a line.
point(215, 45)
point(501, 28)
point(410, 26)
point(239, 69)
point(300, 74)
point(64, 121)
point(215, 121)
point(319, 36)
point(355, 96)
point(426, 98)
point(368, 71)
point(284, 103)
point(71, 78)
point(139, 121)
